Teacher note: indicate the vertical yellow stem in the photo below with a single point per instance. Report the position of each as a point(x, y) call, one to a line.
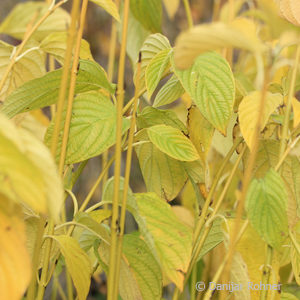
point(188, 13)
point(127, 170)
point(113, 282)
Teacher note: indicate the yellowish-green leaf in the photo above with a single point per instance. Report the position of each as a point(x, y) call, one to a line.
point(225, 10)
point(210, 83)
point(15, 264)
point(30, 66)
point(152, 116)
point(266, 206)
point(239, 275)
point(295, 260)
point(44, 91)
point(109, 6)
point(154, 44)
point(172, 238)
point(56, 45)
point(200, 132)
point(29, 172)
point(30, 12)
point(288, 296)
point(162, 174)
point(172, 142)
point(92, 128)
point(290, 10)
point(170, 92)
point(171, 7)
point(213, 36)
point(296, 110)
point(144, 266)
point(78, 264)
point(249, 112)
point(148, 13)
point(157, 67)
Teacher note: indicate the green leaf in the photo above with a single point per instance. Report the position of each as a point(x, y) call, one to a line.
point(210, 83)
point(170, 92)
point(148, 13)
point(162, 174)
point(152, 116)
point(249, 112)
point(44, 91)
point(56, 45)
point(172, 238)
point(172, 142)
point(153, 45)
point(158, 66)
point(266, 205)
point(109, 6)
point(144, 266)
point(28, 172)
point(30, 66)
point(78, 264)
point(200, 132)
point(23, 14)
point(92, 128)
point(288, 296)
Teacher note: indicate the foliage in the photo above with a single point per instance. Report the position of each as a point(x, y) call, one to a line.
point(214, 122)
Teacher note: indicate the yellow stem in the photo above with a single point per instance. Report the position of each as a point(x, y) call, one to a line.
point(113, 282)
point(188, 13)
point(285, 128)
point(72, 84)
point(25, 40)
point(127, 170)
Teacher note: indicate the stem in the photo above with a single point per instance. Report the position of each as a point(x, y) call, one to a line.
point(72, 81)
point(69, 286)
point(54, 142)
point(188, 13)
point(127, 170)
point(284, 139)
point(247, 176)
point(266, 272)
point(113, 282)
point(25, 40)
point(193, 283)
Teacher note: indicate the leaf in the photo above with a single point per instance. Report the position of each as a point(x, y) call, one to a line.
point(170, 92)
point(109, 6)
point(296, 110)
point(172, 142)
point(29, 174)
point(56, 45)
point(153, 45)
point(239, 275)
point(295, 260)
point(30, 66)
point(210, 83)
point(144, 266)
point(23, 14)
point(200, 132)
point(267, 157)
point(15, 264)
point(290, 10)
point(249, 112)
point(162, 174)
point(266, 205)
point(78, 264)
point(157, 67)
point(92, 128)
point(148, 13)
point(152, 116)
point(288, 296)
point(44, 91)
point(208, 37)
point(172, 238)
point(171, 7)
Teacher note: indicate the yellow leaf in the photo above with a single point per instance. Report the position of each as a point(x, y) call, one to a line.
point(296, 109)
point(213, 36)
point(290, 9)
point(109, 6)
point(171, 7)
point(249, 112)
point(15, 265)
